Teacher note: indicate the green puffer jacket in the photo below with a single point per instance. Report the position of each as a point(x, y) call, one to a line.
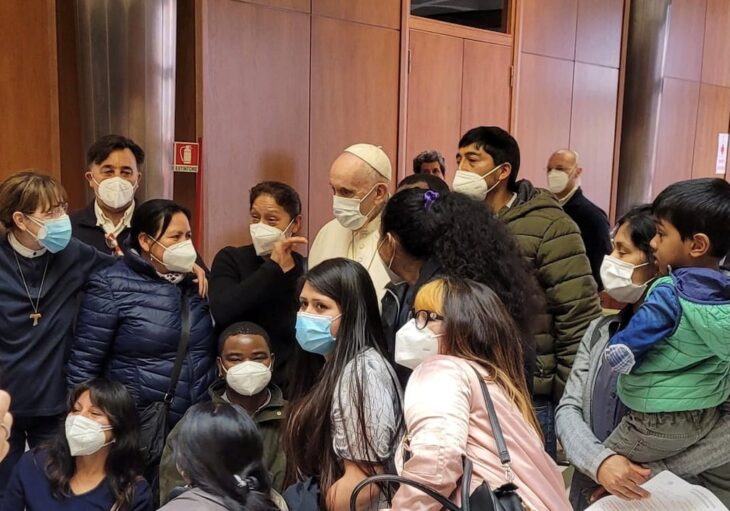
point(552, 244)
point(269, 420)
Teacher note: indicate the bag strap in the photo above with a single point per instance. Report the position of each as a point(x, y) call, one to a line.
point(603, 321)
point(445, 503)
point(504, 456)
point(182, 348)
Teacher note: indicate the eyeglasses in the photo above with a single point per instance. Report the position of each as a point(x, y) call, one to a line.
point(56, 211)
point(422, 317)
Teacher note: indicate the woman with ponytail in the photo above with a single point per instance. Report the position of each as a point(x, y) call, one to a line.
point(219, 454)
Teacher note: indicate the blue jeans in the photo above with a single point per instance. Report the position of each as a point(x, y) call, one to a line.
point(545, 411)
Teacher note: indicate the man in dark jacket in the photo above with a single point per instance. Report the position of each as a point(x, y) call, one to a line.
point(244, 346)
point(113, 174)
point(488, 164)
point(563, 176)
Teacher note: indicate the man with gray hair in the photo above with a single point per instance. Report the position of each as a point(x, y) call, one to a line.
point(430, 162)
point(563, 175)
point(359, 178)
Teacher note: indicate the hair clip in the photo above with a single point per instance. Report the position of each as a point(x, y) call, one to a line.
point(429, 198)
point(246, 483)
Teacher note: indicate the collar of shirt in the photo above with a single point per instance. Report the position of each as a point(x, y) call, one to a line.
point(22, 249)
point(511, 201)
point(103, 221)
point(565, 199)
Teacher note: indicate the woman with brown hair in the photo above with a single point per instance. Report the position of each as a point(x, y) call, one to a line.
point(42, 270)
point(459, 326)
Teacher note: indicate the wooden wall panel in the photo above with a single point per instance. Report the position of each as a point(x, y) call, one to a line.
point(383, 13)
point(296, 5)
point(598, 38)
point(255, 117)
point(434, 95)
point(354, 98)
point(185, 185)
point(716, 53)
point(713, 117)
point(29, 132)
point(592, 129)
point(543, 112)
point(485, 88)
point(676, 135)
point(685, 40)
point(72, 152)
point(548, 27)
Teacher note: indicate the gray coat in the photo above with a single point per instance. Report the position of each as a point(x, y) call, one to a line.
point(573, 419)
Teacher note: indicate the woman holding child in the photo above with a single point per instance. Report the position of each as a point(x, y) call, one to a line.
point(591, 409)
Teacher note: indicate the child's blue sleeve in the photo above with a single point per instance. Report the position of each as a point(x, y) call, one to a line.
point(655, 320)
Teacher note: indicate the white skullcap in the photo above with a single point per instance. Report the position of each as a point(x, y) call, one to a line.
point(373, 156)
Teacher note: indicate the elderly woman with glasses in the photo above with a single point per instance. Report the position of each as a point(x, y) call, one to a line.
point(42, 270)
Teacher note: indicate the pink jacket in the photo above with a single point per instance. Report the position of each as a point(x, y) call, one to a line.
point(446, 418)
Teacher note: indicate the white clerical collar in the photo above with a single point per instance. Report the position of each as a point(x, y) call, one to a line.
point(22, 249)
point(105, 223)
point(370, 227)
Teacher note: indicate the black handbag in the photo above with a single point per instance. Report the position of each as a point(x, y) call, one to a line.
point(504, 498)
point(153, 419)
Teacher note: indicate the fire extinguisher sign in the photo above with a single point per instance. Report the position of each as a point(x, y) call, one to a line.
point(187, 157)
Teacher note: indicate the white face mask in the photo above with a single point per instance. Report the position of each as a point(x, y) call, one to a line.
point(558, 180)
point(616, 276)
point(413, 346)
point(179, 257)
point(265, 236)
point(115, 192)
point(393, 276)
point(248, 378)
point(474, 185)
point(347, 211)
point(85, 436)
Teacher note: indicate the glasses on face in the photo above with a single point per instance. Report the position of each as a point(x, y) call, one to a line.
point(56, 211)
point(422, 317)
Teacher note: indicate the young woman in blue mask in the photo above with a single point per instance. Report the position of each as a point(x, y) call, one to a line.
point(346, 427)
point(92, 462)
point(130, 322)
point(42, 270)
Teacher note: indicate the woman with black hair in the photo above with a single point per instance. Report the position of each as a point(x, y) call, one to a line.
point(258, 282)
point(94, 461)
point(219, 453)
point(426, 234)
point(590, 408)
point(131, 320)
point(345, 428)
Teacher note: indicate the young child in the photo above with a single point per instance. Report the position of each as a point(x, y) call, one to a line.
point(674, 356)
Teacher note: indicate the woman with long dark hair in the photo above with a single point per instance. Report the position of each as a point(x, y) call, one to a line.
point(345, 428)
point(426, 234)
point(460, 326)
point(218, 451)
point(131, 320)
point(94, 462)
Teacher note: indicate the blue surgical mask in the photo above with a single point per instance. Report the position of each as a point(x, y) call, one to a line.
point(54, 234)
point(314, 333)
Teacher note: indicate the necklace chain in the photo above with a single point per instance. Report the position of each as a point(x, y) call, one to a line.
point(25, 284)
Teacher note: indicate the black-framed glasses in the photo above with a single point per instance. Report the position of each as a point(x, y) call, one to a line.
point(423, 316)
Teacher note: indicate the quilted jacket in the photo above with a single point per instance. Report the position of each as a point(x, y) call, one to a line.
point(128, 330)
point(551, 242)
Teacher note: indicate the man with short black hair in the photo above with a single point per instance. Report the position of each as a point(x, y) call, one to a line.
point(113, 164)
point(430, 162)
point(563, 176)
point(488, 163)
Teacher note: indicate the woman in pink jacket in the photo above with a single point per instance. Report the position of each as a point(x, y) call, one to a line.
point(457, 324)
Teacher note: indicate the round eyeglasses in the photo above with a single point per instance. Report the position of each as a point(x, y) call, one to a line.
point(423, 316)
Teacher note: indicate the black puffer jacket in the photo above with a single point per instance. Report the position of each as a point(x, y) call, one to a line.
point(128, 330)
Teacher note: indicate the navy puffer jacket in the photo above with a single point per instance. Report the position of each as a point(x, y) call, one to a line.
point(128, 330)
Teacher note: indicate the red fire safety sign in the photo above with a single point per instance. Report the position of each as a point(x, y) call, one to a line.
point(187, 157)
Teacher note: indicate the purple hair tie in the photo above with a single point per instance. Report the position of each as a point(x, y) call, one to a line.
point(429, 198)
